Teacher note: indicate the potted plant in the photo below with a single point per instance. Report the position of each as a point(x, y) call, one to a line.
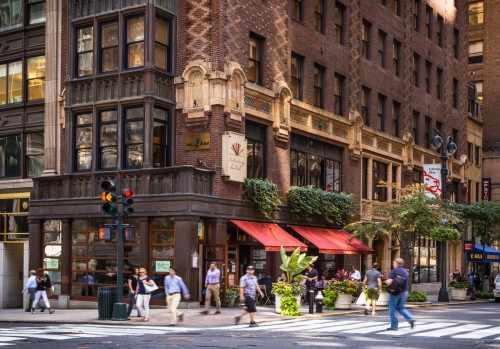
point(231, 295)
point(287, 292)
point(346, 289)
point(330, 295)
point(458, 290)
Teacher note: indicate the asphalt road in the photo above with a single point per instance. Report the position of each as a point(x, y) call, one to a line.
point(468, 326)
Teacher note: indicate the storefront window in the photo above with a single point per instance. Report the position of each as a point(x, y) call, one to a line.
point(34, 154)
point(425, 261)
point(10, 156)
point(52, 251)
point(162, 246)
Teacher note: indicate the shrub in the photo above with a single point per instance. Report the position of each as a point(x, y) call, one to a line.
point(346, 286)
point(289, 306)
point(459, 284)
point(416, 296)
point(283, 289)
point(263, 194)
point(330, 295)
point(230, 296)
point(484, 295)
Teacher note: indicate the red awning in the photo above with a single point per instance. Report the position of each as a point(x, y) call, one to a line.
point(332, 241)
point(270, 235)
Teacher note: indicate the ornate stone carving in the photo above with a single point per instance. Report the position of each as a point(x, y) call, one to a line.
point(356, 134)
point(235, 91)
point(281, 111)
point(408, 151)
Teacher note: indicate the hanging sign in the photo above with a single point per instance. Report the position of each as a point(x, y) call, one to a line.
point(162, 266)
point(432, 179)
point(234, 156)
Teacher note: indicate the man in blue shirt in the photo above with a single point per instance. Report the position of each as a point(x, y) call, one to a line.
point(248, 293)
point(31, 288)
point(212, 285)
point(398, 294)
point(174, 288)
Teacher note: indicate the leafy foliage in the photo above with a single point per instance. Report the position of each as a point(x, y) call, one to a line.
point(368, 230)
point(295, 264)
point(263, 194)
point(346, 286)
point(330, 295)
point(416, 296)
point(231, 295)
point(443, 233)
point(484, 217)
point(310, 202)
point(484, 295)
point(283, 289)
point(459, 284)
point(289, 306)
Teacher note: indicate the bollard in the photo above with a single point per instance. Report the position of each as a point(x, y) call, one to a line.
point(311, 301)
point(319, 302)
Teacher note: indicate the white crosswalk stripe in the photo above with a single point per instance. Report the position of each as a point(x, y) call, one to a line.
point(487, 332)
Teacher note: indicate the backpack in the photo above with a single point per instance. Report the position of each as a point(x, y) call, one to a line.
point(397, 285)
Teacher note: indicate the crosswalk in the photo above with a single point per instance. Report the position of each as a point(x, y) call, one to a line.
point(426, 328)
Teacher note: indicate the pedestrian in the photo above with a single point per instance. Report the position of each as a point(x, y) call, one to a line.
point(212, 285)
point(355, 274)
point(175, 289)
point(42, 285)
point(132, 297)
point(311, 280)
point(471, 277)
point(145, 286)
point(397, 286)
point(30, 287)
point(248, 295)
point(456, 275)
point(373, 283)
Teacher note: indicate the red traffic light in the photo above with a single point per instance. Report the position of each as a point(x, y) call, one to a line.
point(128, 193)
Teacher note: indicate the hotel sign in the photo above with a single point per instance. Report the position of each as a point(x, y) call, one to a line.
point(234, 156)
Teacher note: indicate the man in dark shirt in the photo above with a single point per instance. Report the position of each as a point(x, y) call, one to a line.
point(397, 299)
point(132, 287)
point(311, 279)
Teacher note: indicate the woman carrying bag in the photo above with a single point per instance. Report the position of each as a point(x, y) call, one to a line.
point(42, 285)
point(145, 286)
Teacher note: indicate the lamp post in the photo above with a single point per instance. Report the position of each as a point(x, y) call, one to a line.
point(446, 149)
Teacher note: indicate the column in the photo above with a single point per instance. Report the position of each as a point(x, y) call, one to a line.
point(186, 242)
point(52, 61)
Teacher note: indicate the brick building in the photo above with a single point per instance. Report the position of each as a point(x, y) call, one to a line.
point(181, 100)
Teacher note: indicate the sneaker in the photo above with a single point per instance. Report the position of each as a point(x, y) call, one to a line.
point(253, 324)
point(180, 317)
point(51, 311)
point(412, 324)
point(204, 312)
point(42, 310)
point(391, 329)
point(237, 320)
point(217, 312)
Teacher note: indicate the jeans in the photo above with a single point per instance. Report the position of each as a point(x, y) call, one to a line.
point(397, 304)
point(31, 292)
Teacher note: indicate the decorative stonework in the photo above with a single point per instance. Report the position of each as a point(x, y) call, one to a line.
point(356, 137)
point(281, 111)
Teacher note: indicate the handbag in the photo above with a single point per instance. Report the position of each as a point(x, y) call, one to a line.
point(150, 289)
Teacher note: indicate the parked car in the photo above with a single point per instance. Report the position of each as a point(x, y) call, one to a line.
point(496, 291)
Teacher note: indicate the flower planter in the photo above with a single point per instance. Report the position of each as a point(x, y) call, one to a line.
point(344, 301)
point(383, 299)
point(277, 303)
point(458, 294)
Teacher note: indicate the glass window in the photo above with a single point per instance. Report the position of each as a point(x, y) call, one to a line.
point(416, 69)
point(298, 9)
point(455, 93)
point(108, 139)
point(254, 70)
point(85, 47)
point(476, 52)
point(381, 112)
point(34, 154)
point(338, 94)
point(379, 181)
point(440, 31)
point(397, 7)
point(297, 71)
point(365, 104)
point(134, 137)
point(135, 42)
point(428, 21)
point(396, 112)
point(52, 252)
point(36, 78)
point(319, 16)
point(479, 91)
point(339, 23)
point(160, 129)
point(476, 12)
point(10, 156)
point(381, 47)
point(162, 43)
point(396, 57)
point(428, 72)
point(11, 14)
point(256, 141)
point(15, 82)
point(416, 15)
point(83, 142)
point(365, 39)
point(109, 47)
point(36, 11)
point(439, 83)
point(456, 43)
point(319, 73)
point(415, 127)
point(3, 84)
point(425, 261)
point(428, 131)
point(162, 245)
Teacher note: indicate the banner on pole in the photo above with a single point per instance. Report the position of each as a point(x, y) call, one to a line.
point(432, 179)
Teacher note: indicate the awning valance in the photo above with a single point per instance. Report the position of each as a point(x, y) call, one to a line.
point(270, 235)
point(332, 241)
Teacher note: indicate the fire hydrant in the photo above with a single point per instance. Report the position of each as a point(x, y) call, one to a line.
point(319, 302)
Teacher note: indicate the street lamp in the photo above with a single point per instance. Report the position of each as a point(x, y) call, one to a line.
point(446, 149)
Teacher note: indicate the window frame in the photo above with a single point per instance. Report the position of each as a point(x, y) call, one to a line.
point(167, 47)
point(416, 15)
point(20, 18)
point(455, 93)
point(366, 34)
point(381, 47)
point(476, 57)
point(297, 81)
point(415, 127)
point(339, 93)
point(28, 79)
point(8, 93)
point(456, 43)
point(100, 147)
point(428, 76)
point(365, 104)
point(381, 111)
point(379, 192)
point(439, 83)
point(29, 6)
point(429, 16)
point(125, 144)
point(479, 15)
point(79, 53)
point(257, 61)
point(130, 43)
point(20, 156)
point(102, 49)
point(33, 154)
point(253, 141)
point(440, 33)
point(76, 148)
point(319, 16)
point(165, 144)
point(319, 85)
point(298, 10)
point(416, 69)
point(396, 57)
point(340, 22)
point(396, 112)
point(428, 131)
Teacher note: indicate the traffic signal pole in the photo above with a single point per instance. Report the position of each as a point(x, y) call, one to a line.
point(119, 257)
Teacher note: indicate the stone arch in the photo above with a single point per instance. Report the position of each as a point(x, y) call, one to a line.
point(194, 78)
point(236, 86)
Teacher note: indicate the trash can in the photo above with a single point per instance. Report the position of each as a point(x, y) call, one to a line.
point(106, 297)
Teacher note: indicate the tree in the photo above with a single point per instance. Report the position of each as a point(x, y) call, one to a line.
point(484, 217)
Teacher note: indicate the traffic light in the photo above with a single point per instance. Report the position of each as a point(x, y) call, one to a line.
point(108, 197)
point(127, 201)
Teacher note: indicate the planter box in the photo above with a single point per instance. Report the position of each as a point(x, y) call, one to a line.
point(383, 299)
point(344, 301)
point(277, 303)
point(458, 294)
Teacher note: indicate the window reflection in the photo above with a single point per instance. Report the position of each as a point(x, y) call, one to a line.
point(162, 44)
point(10, 14)
point(85, 46)
point(135, 42)
point(34, 154)
point(15, 82)
point(134, 137)
point(83, 142)
point(36, 78)
point(109, 47)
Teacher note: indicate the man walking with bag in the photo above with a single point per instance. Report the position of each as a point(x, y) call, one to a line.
point(212, 284)
point(174, 289)
point(397, 286)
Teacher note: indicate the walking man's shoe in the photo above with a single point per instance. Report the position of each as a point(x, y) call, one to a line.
point(391, 329)
point(180, 317)
point(51, 311)
point(217, 312)
point(204, 312)
point(237, 320)
point(253, 324)
point(412, 323)
point(32, 310)
point(366, 312)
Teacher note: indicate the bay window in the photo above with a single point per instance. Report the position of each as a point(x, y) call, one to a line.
point(162, 43)
point(83, 142)
point(85, 53)
point(135, 42)
point(160, 122)
point(36, 78)
point(134, 137)
point(109, 47)
point(108, 139)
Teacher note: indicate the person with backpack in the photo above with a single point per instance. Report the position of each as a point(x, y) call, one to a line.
point(397, 286)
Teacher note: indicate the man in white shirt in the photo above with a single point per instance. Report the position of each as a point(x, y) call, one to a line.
point(31, 288)
point(355, 274)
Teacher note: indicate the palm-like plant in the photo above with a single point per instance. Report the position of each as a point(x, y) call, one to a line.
point(293, 265)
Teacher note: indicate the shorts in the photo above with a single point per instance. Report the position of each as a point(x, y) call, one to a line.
point(250, 304)
point(373, 294)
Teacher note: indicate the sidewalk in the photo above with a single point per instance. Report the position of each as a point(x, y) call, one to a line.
point(192, 317)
